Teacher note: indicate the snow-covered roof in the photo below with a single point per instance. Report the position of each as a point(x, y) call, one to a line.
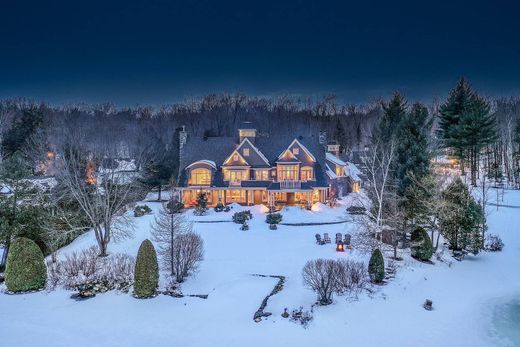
point(204, 161)
point(5, 190)
point(353, 171)
point(330, 173)
point(333, 159)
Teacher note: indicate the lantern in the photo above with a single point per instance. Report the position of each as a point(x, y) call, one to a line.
point(339, 246)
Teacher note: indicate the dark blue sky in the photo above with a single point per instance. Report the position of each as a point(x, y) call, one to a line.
point(160, 51)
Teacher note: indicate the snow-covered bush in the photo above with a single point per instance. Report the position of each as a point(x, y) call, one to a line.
point(146, 275)
point(240, 217)
point(174, 206)
point(219, 207)
point(202, 205)
point(421, 245)
point(376, 266)
point(141, 210)
point(273, 218)
point(83, 269)
point(494, 243)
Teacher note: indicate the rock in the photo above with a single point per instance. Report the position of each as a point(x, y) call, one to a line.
point(428, 305)
point(258, 319)
point(285, 314)
point(266, 314)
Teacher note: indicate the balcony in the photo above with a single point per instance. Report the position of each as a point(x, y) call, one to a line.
point(290, 184)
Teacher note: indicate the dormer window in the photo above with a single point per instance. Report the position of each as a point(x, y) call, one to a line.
point(246, 152)
point(200, 176)
point(295, 151)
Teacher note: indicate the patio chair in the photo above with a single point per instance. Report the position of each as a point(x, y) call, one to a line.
point(326, 238)
point(347, 240)
point(319, 241)
point(339, 237)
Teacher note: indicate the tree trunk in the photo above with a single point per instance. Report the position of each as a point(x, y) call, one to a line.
point(159, 196)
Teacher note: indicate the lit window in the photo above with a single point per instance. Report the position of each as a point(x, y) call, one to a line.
point(295, 151)
point(246, 152)
point(288, 173)
point(200, 177)
point(307, 173)
point(235, 157)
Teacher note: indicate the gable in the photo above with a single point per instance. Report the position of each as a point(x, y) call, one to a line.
point(252, 154)
point(298, 151)
point(235, 159)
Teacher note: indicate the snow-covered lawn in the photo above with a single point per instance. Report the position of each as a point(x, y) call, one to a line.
point(464, 295)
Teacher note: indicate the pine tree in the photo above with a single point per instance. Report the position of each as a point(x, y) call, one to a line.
point(394, 113)
point(421, 245)
point(376, 266)
point(461, 218)
point(466, 125)
point(15, 140)
point(340, 135)
point(146, 275)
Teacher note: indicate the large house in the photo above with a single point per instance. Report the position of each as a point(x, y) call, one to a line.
point(252, 169)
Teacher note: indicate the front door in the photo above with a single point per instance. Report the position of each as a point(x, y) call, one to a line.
point(290, 198)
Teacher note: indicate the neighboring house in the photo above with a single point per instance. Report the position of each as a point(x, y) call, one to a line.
point(252, 169)
point(344, 176)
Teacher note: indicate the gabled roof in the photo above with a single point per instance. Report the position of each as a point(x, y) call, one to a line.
point(230, 158)
point(256, 158)
point(295, 141)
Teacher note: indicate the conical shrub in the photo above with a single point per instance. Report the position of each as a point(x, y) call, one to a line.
point(146, 275)
point(25, 269)
point(421, 244)
point(376, 266)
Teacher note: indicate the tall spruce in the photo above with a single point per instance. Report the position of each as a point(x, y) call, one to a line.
point(466, 126)
point(394, 113)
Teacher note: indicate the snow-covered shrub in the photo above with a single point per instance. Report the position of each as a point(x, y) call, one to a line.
point(494, 243)
point(376, 266)
point(240, 217)
point(202, 205)
point(25, 269)
point(352, 276)
point(219, 207)
point(146, 275)
point(273, 218)
point(421, 244)
point(301, 316)
point(141, 210)
point(85, 269)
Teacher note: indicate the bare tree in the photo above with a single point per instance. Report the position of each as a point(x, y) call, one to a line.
point(102, 190)
point(165, 230)
point(187, 252)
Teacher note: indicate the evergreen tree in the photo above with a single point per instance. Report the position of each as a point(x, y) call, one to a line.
point(202, 200)
point(461, 218)
point(146, 275)
point(466, 125)
point(15, 140)
point(25, 267)
point(340, 135)
point(12, 173)
point(394, 113)
point(376, 266)
point(421, 246)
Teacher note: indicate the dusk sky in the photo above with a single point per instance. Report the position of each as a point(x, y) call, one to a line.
point(158, 51)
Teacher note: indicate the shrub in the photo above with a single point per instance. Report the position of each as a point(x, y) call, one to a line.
point(376, 267)
point(220, 207)
point(174, 206)
point(321, 276)
point(86, 269)
point(494, 243)
point(141, 210)
point(187, 252)
point(240, 217)
point(146, 275)
point(352, 276)
point(421, 245)
point(25, 268)
point(273, 218)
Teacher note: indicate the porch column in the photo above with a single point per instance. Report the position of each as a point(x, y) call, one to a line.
point(225, 199)
point(251, 197)
point(309, 202)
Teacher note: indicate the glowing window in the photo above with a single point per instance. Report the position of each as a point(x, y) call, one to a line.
point(307, 173)
point(246, 152)
point(200, 177)
point(296, 151)
point(235, 157)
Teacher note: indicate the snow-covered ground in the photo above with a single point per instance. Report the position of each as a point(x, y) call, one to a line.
point(465, 295)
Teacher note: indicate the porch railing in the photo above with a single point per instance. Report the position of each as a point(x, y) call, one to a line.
point(290, 184)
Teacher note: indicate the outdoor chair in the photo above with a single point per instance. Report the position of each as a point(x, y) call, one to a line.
point(326, 238)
